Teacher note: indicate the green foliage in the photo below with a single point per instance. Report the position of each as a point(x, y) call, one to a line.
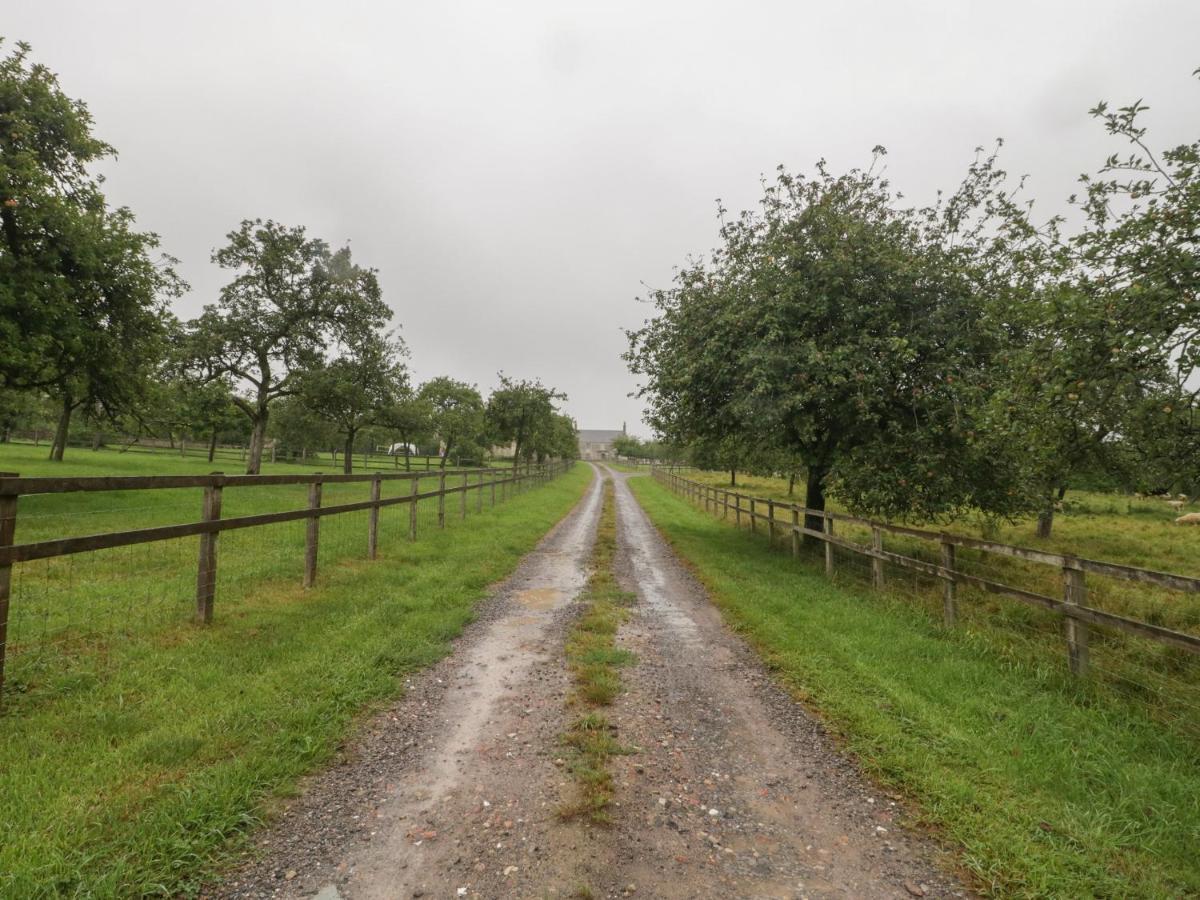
point(410, 419)
point(562, 438)
point(930, 362)
point(636, 448)
point(1107, 378)
point(358, 388)
point(299, 429)
point(456, 416)
point(523, 412)
point(290, 299)
point(836, 331)
point(82, 293)
point(46, 144)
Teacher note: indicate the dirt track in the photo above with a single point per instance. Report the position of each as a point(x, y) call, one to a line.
point(733, 791)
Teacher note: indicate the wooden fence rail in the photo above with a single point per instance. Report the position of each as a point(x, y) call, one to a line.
point(211, 524)
point(1072, 606)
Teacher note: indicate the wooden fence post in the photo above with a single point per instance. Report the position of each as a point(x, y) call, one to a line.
point(206, 571)
point(737, 500)
point(373, 518)
point(412, 507)
point(949, 586)
point(442, 499)
point(1075, 631)
point(725, 511)
point(753, 518)
point(828, 546)
point(462, 501)
point(479, 496)
point(770, 523)
point(312, 535)
point(492, 481)
point(795, 531)
point(8, 531)
point(876, 562)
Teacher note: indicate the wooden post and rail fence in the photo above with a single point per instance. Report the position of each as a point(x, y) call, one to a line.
point(1072, 607)
point(211, 524)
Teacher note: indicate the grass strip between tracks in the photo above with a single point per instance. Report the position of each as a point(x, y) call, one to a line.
point(595, 662)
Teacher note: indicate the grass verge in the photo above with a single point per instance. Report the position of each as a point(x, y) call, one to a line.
point(141, 777)
point(595, 661)
point(1046, 788)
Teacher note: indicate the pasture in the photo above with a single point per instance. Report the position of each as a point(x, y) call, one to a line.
point(148, 745)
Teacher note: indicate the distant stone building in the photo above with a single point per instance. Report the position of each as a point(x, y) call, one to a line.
point(598, 443)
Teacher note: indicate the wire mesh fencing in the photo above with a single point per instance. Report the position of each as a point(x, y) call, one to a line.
point(1092, 627)
point(106, 560)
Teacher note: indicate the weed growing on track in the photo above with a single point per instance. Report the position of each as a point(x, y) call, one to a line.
point(141, 778)
point(595, 661)
point(1047, 789)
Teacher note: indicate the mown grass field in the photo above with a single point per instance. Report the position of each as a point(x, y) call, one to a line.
point(1047, 786)
point(136, 748)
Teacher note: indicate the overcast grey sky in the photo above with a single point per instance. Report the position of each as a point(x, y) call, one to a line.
point(518, 171)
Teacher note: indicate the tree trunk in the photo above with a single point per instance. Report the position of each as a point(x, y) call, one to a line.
point(348, 454)
point(212, 445)
point(258, 438)
point(60, 434)
point(814, 499)
point(407, 459)
point(1045, 520)
point(792, 485)
point(95, 441)
point(733, 477)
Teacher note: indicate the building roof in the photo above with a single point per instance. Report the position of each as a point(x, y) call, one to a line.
point(599, 435)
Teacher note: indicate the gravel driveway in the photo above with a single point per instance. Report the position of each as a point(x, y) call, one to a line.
point(733, 789)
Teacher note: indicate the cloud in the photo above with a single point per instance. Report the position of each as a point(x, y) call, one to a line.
point(517, 171)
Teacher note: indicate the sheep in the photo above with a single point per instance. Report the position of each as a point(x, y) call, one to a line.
point(1181, 497)
point(1176, 504)
point(1189, 519)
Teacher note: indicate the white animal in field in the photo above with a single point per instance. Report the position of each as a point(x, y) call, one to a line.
point(1176, 504)
point(1189, 519)
point(1138, 495)
point(1181, 496)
